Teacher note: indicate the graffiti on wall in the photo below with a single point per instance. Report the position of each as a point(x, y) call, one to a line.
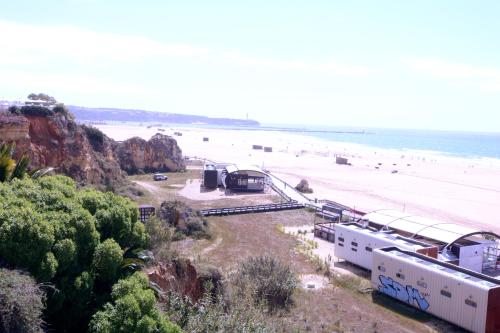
point(406, 294)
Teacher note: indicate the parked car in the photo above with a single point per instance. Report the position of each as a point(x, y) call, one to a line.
point(159, 176)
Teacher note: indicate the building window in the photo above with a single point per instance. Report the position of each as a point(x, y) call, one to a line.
point(341, 239)
point(422, 284)
point(400, 275)
point(341, 244)
point(354, 249)
point(354, 244)
point(445, 293)
point(381, 268)
point(471, 303)
point(368, 249)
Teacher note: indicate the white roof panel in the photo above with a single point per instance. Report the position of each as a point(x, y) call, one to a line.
point(434, 229)
point(243, 167)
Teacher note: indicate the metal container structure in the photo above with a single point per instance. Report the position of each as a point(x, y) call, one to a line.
point(355, 243)
point(463, 297)
point(210, 176)
point(145, 211)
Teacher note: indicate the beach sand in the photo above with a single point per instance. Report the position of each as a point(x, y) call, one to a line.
point(452, 189)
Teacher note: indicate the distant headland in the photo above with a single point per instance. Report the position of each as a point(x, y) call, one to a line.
point(113, 114)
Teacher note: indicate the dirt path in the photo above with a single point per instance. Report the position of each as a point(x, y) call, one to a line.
point(150, 187)
point(211, 247)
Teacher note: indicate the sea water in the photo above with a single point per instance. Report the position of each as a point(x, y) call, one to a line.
point(462, 144)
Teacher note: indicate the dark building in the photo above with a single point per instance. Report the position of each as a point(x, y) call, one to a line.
point(210, 176)
point(145, 211)
point(341, 160)
point(247, 178)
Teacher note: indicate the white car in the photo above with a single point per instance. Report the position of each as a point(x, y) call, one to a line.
point(159, 176)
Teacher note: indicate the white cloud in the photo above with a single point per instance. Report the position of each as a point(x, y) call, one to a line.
point(76, 84)
point(444, 69)
point(486, 79)
point(35, 43)
point(24, 44)
point(330, 66)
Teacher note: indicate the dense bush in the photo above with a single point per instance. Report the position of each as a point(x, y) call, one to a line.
point(271, 281)
point(184, 219)
point(303, 187)
point(73, 239)
point(95, 137)
point(21, 303)
point(133, 309)
point(219, 314)
point(35, 110)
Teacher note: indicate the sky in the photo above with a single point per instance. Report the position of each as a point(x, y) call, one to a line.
point(390, 64)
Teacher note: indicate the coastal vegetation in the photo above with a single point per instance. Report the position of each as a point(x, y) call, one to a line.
point(303, 187)
point(184, 219)
point(71, 239)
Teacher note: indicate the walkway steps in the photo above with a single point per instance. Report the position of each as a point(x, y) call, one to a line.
point(250, 209)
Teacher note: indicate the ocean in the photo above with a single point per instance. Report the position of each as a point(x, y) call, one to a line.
point(458, 144)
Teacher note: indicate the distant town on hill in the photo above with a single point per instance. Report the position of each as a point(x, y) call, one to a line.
point(111, 114)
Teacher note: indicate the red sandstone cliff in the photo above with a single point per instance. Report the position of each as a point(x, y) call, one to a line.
point(182, 277)
point(84, 153)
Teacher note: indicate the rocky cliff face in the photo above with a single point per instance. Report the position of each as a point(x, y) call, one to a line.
point(160, 153)
point(84, 153)
point(182, 277)
point(58, 142)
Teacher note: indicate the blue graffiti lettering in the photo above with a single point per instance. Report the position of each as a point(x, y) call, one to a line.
point(406, 294)
point(414, 295)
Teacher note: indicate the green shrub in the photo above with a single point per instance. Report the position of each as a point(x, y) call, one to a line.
point(132, 309)
point(184, 219)
point(35, 110)
point(95, 137)
point(271, 281)
point(219, 314)
point(54, 231)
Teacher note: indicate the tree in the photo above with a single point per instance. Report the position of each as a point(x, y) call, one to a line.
point(42, 97)
point(133, 309)
point(10, 168)
point(21, 303)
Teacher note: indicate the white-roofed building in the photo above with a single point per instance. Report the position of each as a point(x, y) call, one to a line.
point(467, 247)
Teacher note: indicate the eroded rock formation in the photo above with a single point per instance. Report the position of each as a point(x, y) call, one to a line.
point(182, 277)
point(84, 153)
point(158, 154)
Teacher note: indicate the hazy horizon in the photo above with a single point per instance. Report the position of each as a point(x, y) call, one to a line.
point(387, 64)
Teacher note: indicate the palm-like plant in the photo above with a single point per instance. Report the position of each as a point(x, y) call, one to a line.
point(10, 168)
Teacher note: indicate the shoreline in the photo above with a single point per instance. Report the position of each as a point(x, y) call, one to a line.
point(454, 189)
point(142, 128)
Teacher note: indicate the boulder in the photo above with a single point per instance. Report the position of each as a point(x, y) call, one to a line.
point(159, 154)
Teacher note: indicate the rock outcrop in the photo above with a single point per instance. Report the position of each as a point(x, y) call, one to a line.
point(54, 139)
point(57, 141)
point(182, 277)
point(158, 154)
point(13, 128)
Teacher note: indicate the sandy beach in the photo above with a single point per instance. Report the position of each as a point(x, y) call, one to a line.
point(452, 189)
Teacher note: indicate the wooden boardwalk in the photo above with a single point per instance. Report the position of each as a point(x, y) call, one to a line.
point(251, 209)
